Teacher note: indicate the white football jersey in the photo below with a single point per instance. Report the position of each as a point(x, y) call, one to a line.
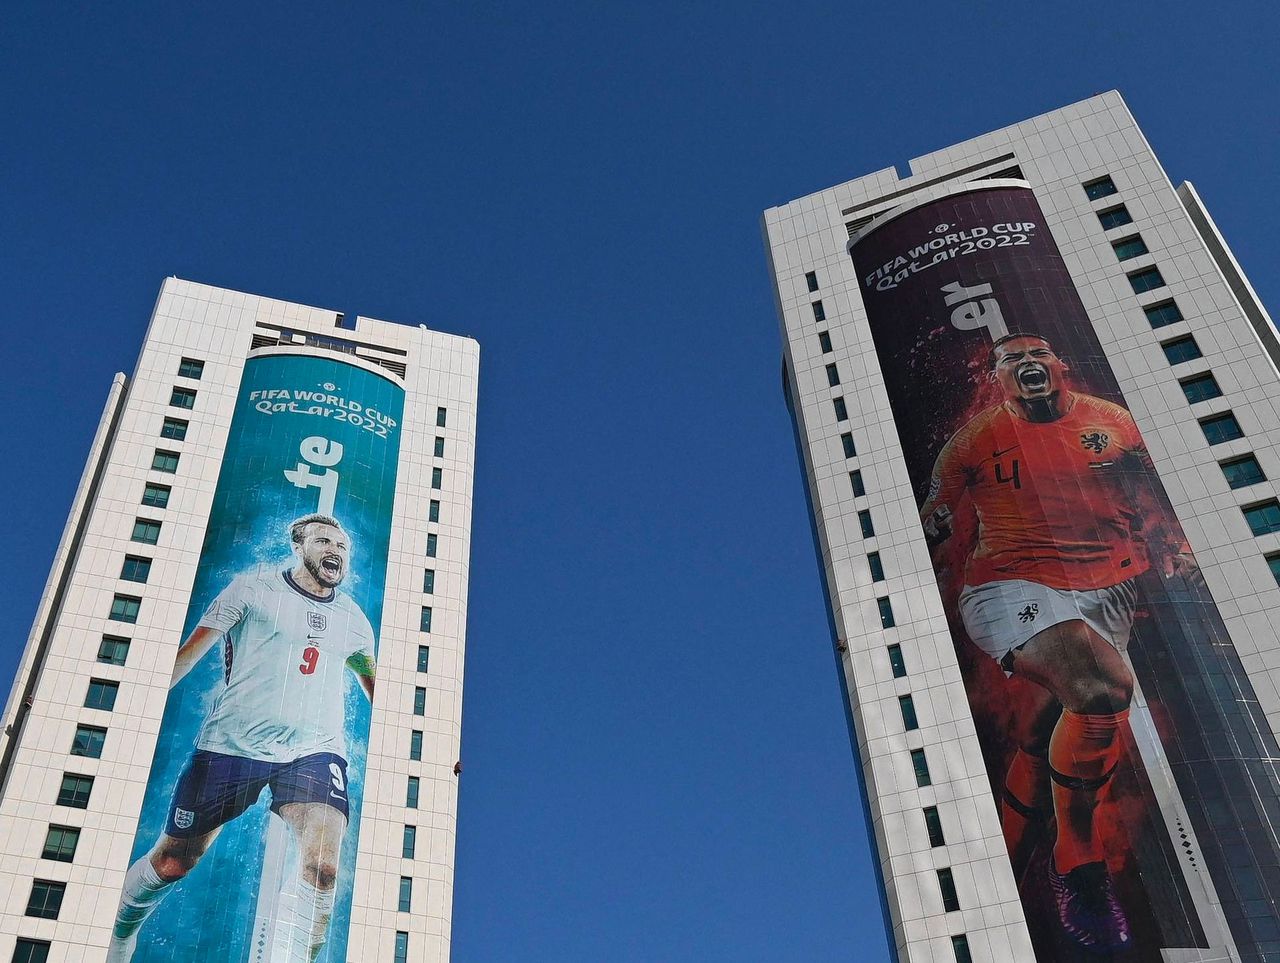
point(284, 656)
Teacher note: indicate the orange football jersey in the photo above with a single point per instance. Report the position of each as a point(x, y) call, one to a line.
point(1051, 498)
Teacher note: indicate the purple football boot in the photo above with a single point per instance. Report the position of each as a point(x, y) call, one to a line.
point(1088, 908)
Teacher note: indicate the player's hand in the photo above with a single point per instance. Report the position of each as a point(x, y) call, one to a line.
point(1183, 565)
point(937, 525)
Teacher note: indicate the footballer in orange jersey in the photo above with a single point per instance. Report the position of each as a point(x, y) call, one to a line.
point(1060, 484)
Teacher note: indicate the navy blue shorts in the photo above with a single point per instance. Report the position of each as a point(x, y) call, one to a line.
point(215, 788)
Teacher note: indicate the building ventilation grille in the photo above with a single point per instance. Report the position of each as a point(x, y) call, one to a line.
point(329, 343)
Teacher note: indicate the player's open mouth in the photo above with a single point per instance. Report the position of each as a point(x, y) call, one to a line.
point(331, 565)
point(1033, 377)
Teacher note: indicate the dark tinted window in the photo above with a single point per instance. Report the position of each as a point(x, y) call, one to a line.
point(1242, 472)
point(1129, 247)
point(1221, 428)
point(1200, 387)
point(1102, 187)
point(1114, 217)
point(1263, 518)
point(1181, 349)
point(1164, 313)
point(1148, 279)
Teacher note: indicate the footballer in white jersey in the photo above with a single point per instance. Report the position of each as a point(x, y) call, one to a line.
point(288, 636)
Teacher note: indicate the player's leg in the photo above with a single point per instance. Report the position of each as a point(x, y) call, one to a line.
point(311, 797)
point(1027, 803)
point(1090, 678)
point(212, 790)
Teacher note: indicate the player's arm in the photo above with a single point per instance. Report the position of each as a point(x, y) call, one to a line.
point(362, 664)
point(224, 613)
point(192, 651)
point(946, 487)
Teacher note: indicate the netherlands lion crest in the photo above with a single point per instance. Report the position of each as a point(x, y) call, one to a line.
point(1095, 440)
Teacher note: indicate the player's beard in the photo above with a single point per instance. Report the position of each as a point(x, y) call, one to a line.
point(1038, 407)
point(321, 576)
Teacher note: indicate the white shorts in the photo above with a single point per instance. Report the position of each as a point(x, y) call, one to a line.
point(1004, 615)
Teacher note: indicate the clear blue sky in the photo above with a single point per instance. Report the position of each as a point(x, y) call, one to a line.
point(657, 767)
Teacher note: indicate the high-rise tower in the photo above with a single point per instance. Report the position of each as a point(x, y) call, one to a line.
point(234, 730)
point(1038, 411)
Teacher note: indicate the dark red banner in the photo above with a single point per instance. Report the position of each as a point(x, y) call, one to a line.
point(1120, 732)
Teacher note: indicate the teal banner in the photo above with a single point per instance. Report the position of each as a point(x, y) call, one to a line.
point(246, 846)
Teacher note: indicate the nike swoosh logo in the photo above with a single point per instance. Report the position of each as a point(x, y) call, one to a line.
point(1004, 451)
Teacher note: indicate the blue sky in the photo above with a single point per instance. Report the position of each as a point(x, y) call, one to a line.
point(657, 767)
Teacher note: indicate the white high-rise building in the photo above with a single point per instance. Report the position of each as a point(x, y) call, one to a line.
point(1034, 395)
point(203, 655)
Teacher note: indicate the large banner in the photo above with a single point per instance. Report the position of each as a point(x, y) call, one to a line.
point(246, 847)
point(1134, 770)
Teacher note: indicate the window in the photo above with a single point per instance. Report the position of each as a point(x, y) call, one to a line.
point(876, 566)
point(437, 477)
point(1102, 187)
point(145, 531)
point(933, 823)
point(429, 581)
point(1273, 563)
point(101, 695)
point(908, 707)
point(406, 894)
point(1221, 428)
point(415, 745)
point(46, 899)
point(191, 368)
point(124, 608)
point(824, 342)
point(183, 398)
point(156, 496)
point(1114, 217)
point(419, 701)
point(1181, 349)
point(947, 883)
point(960, 946)
point(1148, 279)
point(431, 545)
point(113, 650)
point(442, 415)
point(439, 449)
point(175, 428)
point(410, 842)
point(1263, 518)
point(842, 413)
point(819, 313)
point(433, 510)
point(864, 520)
point(833, 376)
point(1243, 471)
point(811, 279)
point(850, 450)
point(896, 662)
point(88, 741)
point(1200, 387)
point(1129, 247)
point(424, 656)
point(31, 951)
point(165, 461)
point(886, 613)
point(1162, 314)
point(921, 766)
point(855, 481)
point(411, 793)
point(74, 791)
point(402, 947)
point(424, 621)
point(135, 568)
point(60, 843)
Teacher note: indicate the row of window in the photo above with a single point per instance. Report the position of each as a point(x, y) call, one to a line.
point(1241, 471)
point(61, 842)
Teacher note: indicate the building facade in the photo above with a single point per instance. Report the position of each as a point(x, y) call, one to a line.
point(255, 621)
point(1038, 411)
